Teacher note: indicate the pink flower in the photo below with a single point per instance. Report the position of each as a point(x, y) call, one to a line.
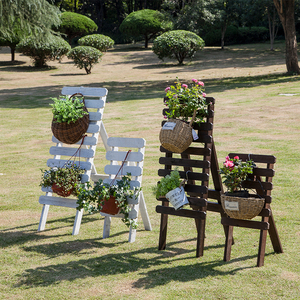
point(167, 89)
point(184, 86)
point(195, 80)
point(165, 117)
point(227, 158)
point(201, 83)
point(204, 94)
point(229, 164)
point(236, 157)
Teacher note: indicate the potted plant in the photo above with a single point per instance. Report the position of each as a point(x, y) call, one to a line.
point(236, 202)
point(70, 118)
point(108, 198)
point(183, 103)
point(171, 187)
point(63, 180)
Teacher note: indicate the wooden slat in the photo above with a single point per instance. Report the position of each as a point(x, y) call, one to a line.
point(263, 172)
point(204, 138)
point(191, 150)
point(113, 169)
point(93, 128)
point(269, 159)
point(214, 206)
point(213, 194)
point(133, 183)
point(95, 116)
point(120, 156)
point(126, 142)
point(181, 212)
point(88, 140)
point(196, 189)
point(86, 91)
point(86, 153)
point(61, 162)
point(58, 201)
point(245, 223)
point(184, 162)
point(191, 175)
point(257, 185)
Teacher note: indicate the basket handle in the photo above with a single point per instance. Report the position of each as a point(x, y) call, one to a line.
point(193, 118)
point(72, 96)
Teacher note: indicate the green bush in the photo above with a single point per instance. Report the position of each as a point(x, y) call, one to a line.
point(73, 25)
point(179, 44)
point(85, 57)
point(42, 51)
point(98, 41)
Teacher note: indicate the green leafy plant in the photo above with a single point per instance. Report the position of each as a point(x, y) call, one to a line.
point(183, 100)
point(234, 172)
point(98, 41)
point(167, 184)
point(85, 57)
point(92, 198)
point(179, 44)
point(67, 110)
point(67, 177)
point(41, 51)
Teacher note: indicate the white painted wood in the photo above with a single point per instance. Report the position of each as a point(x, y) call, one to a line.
point(95, 99)
point(135, 166)
point(113, 169)
point(61, 162)
point(85, 153)
point(126, 142)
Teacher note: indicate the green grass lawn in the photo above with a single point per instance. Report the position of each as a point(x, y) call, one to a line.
point(251, 116)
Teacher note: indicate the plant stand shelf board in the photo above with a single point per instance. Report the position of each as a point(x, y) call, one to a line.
point(261, 182)
point(95, 99)
point(200, 160)
point(133, 165)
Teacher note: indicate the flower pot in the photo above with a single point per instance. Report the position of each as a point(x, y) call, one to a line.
point(61, 190)
point(177, 197)
point(110, 206)
point(176, 135)
point(242, 207)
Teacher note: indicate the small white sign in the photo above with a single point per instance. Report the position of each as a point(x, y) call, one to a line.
point(231, 205)
point(169, 126)
point(177, 197)
point(195, 135)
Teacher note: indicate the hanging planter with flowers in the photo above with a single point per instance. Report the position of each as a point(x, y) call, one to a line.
point(236, 202)
point(186, 106)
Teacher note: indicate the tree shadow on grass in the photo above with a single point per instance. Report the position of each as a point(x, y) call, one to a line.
point(164, 265)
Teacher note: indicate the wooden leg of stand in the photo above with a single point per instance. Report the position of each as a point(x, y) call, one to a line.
point(200, 225)
point(274, 236)
point(262, 248)
point(163, 229)
point(228, 243)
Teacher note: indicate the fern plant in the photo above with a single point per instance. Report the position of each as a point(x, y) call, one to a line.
point(167, 184)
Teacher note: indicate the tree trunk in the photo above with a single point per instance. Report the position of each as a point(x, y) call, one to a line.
point(286, 12)
point(12, 51)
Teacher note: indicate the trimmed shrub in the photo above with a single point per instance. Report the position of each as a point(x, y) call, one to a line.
point(179, 44)
point(42, 51)
point(85, 57)
point(98, 41)
point(73, 25)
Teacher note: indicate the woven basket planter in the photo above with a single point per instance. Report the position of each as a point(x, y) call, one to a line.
point(179, 138)
point(73, 132)
point(60, 191)
point(242, 208)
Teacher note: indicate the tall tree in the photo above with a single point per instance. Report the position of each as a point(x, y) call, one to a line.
point(286, 12)
point(34, 16)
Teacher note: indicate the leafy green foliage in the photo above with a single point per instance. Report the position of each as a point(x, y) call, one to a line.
point(85, 57)
point(92, 199)
point(98, 41)
point(68, 177)
point(234, 172)
point(44, 50)
point(68, 110)
point(73, 24)
point(179, 44)
point(167, 184)
point(182, 101)
point(146, 23)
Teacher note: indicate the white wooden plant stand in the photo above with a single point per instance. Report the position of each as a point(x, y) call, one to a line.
point(95, 99)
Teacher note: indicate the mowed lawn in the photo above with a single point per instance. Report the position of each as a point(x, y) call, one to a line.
point(257, 111)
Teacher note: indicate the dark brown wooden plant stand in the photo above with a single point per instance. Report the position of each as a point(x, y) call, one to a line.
point(262, 183)
point(200, 160)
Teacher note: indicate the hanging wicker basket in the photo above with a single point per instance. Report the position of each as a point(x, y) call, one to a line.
point(110, 206)
point(242, 208)
point(73, 132)
point(60, 190)
point(176, 135)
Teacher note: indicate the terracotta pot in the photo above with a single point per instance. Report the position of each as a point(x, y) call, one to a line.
point(61, 190)
point(110, 206)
